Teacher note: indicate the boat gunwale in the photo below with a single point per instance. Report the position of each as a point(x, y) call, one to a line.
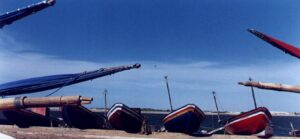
point(259, 109)
point(247, 117)
point(123, 108)
point(182, 110)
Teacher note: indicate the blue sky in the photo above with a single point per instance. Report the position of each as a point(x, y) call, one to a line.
point(202, 45)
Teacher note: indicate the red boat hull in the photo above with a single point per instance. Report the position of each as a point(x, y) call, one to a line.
point(249, 123)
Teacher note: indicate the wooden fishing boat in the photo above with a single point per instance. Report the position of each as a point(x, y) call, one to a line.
point(185, 120)
point(249, 123)
point(122, 117)
point(81, 117)
point(25, 118)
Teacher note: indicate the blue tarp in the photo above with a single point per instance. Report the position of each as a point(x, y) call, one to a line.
point(37, 84)
point(10, 17)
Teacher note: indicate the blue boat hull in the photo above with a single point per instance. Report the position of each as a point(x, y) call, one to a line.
point(186, 123)
point(184, 120)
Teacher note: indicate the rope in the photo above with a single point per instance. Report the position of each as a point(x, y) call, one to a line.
point(221, 108)
point(280, 127)
point(65, 84)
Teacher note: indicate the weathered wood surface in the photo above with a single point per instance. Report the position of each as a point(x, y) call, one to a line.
point(272, 86)
point(70, 133)
point(24, 102)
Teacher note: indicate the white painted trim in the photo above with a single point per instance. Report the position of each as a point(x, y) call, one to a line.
point(177, 111)
point(247, 117)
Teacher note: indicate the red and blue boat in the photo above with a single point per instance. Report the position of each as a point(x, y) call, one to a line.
point(186, 119)
point(121, 117)
point(249, 123)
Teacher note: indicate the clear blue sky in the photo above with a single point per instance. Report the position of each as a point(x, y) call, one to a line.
point(202, 45)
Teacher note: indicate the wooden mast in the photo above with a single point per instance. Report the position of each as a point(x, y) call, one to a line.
point(253, 95)
point(105, 101)
point(168, 89)
point(214, 93)
point(272, 86)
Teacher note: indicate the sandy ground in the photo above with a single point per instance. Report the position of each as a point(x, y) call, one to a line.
point(71, 133)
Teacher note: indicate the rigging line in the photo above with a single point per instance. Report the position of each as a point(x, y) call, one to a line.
point(220, 105)
point(107, 81)
point(260, 100)
point(280, 127)
point(248, 107)
point(65, 84)
point(108, 100)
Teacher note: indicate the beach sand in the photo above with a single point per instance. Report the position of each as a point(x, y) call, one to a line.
point(72, 133)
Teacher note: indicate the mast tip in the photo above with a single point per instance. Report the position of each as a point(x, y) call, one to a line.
point(137, 65)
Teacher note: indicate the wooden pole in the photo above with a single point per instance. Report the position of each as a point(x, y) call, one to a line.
point(105, 101)
point(24, 102)
point(272, 86)
point(253, 95)
point(214, 93)
point(168, 89)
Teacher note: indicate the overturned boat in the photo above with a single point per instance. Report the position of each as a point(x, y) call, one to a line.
point(81, 117)
point(122, 117)
point(10, 17)
point(249, 123)
point(185, 120)
point(38, 84)
point(25, 118)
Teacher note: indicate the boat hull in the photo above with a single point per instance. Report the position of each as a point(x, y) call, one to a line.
point(25, 118)
point(249, 123)
point(184, 120)
point(81, 117)
point(122, 117)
